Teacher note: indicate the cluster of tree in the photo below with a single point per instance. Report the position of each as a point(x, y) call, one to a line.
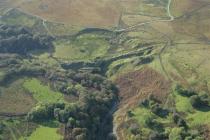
point(94, 81)
point(155, 106)
point(82, 120)
point(179, 121)
point(180, 133)
point(185, 92)
point(176, 133)
point(180, 130)
point(198, 100)
point(134, 128)
point(19, 40)
point(44, 112)
point(72, 83)
point(88, 118)
point(158, 136)
point(9, 62)
point(22, 70)
point(143, 60)
point(2, 126)
point(151, 121)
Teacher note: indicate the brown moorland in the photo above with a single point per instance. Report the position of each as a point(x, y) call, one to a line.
point(88, 13)
point(141, 83)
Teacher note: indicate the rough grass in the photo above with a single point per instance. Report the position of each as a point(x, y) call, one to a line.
point(141, 7)
point(180, 7)
point(14, 99)
point(183, 104)
point(85, 47)
point(141, 114)
point(58, 29)
point(191, 63)
point(42, 93)
point(16, 128)
point(199, 118)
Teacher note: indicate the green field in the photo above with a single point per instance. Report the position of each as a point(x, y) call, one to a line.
point(45, 133)
point(50, 128)
point(42, 93)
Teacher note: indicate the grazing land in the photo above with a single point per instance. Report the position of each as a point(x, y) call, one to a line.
point(42, 93)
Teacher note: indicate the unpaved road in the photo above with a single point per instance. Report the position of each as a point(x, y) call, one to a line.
point(148, 22)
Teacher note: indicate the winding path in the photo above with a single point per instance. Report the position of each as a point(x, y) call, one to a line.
point(169, 11)
point(168, 43)
point(148, 22)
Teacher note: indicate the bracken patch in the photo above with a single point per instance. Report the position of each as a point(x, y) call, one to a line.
point(139, 84)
